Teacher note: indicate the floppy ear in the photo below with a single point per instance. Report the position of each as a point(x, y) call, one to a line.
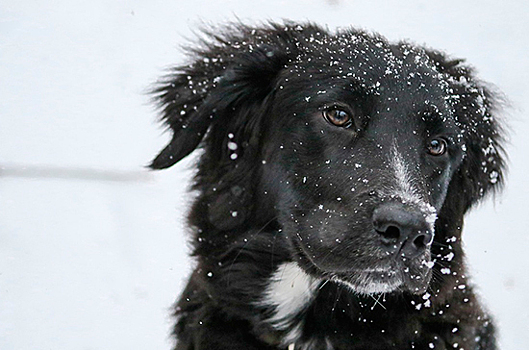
point(228, 167)
point(181, 97)
point(476, 108)
point(223, 75)
point(483, 168)
point(218, 102)
point(231, 65)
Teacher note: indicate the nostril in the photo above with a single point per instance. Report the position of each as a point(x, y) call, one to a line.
point(420, 241)
point(391, 234)
point(423, 239)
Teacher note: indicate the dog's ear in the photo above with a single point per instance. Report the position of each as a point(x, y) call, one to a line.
point(227, 169)
point(476, 108)
point(218, 102)
point(483, 168)
point(181, 97)
point(222, 77)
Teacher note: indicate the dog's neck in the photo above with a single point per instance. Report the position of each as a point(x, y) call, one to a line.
point(291, 295)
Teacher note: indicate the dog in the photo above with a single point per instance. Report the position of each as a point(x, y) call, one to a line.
point(334, 175)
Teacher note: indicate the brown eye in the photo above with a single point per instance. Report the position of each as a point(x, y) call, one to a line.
point(338, 117)
point(437, 147)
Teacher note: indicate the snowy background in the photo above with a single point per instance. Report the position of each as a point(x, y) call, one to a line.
point(93, 247)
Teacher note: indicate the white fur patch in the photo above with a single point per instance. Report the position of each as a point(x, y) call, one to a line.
point(290, 291)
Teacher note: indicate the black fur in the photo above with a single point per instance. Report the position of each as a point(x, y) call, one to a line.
point(277, 183)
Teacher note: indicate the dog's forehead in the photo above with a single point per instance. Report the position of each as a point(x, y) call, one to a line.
point(401, 77)
point(369, 62)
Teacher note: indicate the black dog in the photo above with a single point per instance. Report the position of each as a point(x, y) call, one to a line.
point(335, 174)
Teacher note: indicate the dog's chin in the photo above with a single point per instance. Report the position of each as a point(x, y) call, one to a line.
point(408, 276)
point(369, 282)
point(412, 276)
point(378, 281)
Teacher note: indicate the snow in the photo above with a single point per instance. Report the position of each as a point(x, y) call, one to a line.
point(95, 261)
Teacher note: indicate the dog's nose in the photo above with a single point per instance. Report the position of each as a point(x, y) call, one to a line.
point(402, 229)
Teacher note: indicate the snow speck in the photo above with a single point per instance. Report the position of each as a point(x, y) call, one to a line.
point(493, 176)
point(429, 264)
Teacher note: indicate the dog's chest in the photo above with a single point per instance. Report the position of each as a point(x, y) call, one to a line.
point(289, 293)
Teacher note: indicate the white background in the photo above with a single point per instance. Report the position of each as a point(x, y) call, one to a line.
point(93, 248)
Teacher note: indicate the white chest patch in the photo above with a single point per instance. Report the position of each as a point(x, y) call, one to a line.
point(289, 291)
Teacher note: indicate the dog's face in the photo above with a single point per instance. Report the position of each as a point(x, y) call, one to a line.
point(364, 162)
point(361, 150)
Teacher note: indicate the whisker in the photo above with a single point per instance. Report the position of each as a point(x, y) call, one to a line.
point(338, 295)
point(323, 284)
point(377, 301)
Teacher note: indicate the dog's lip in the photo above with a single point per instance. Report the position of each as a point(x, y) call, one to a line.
point(371, 281)
point(395, 273)
point(397, 277)
point(382, 273)
point(377, 270)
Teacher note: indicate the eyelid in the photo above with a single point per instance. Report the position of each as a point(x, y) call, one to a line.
point(449, 139)
point(337, 105)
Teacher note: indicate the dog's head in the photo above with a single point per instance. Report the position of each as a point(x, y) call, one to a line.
point(366, 154)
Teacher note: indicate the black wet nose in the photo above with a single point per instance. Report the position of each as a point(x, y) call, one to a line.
point(402, 229)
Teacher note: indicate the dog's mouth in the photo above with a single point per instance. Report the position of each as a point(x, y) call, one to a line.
point(413, 277)
point(367, 282)
point(394, 255)
point(398, 275)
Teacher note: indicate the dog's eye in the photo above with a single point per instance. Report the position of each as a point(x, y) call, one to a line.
point(437, 147)
point(338, 117)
